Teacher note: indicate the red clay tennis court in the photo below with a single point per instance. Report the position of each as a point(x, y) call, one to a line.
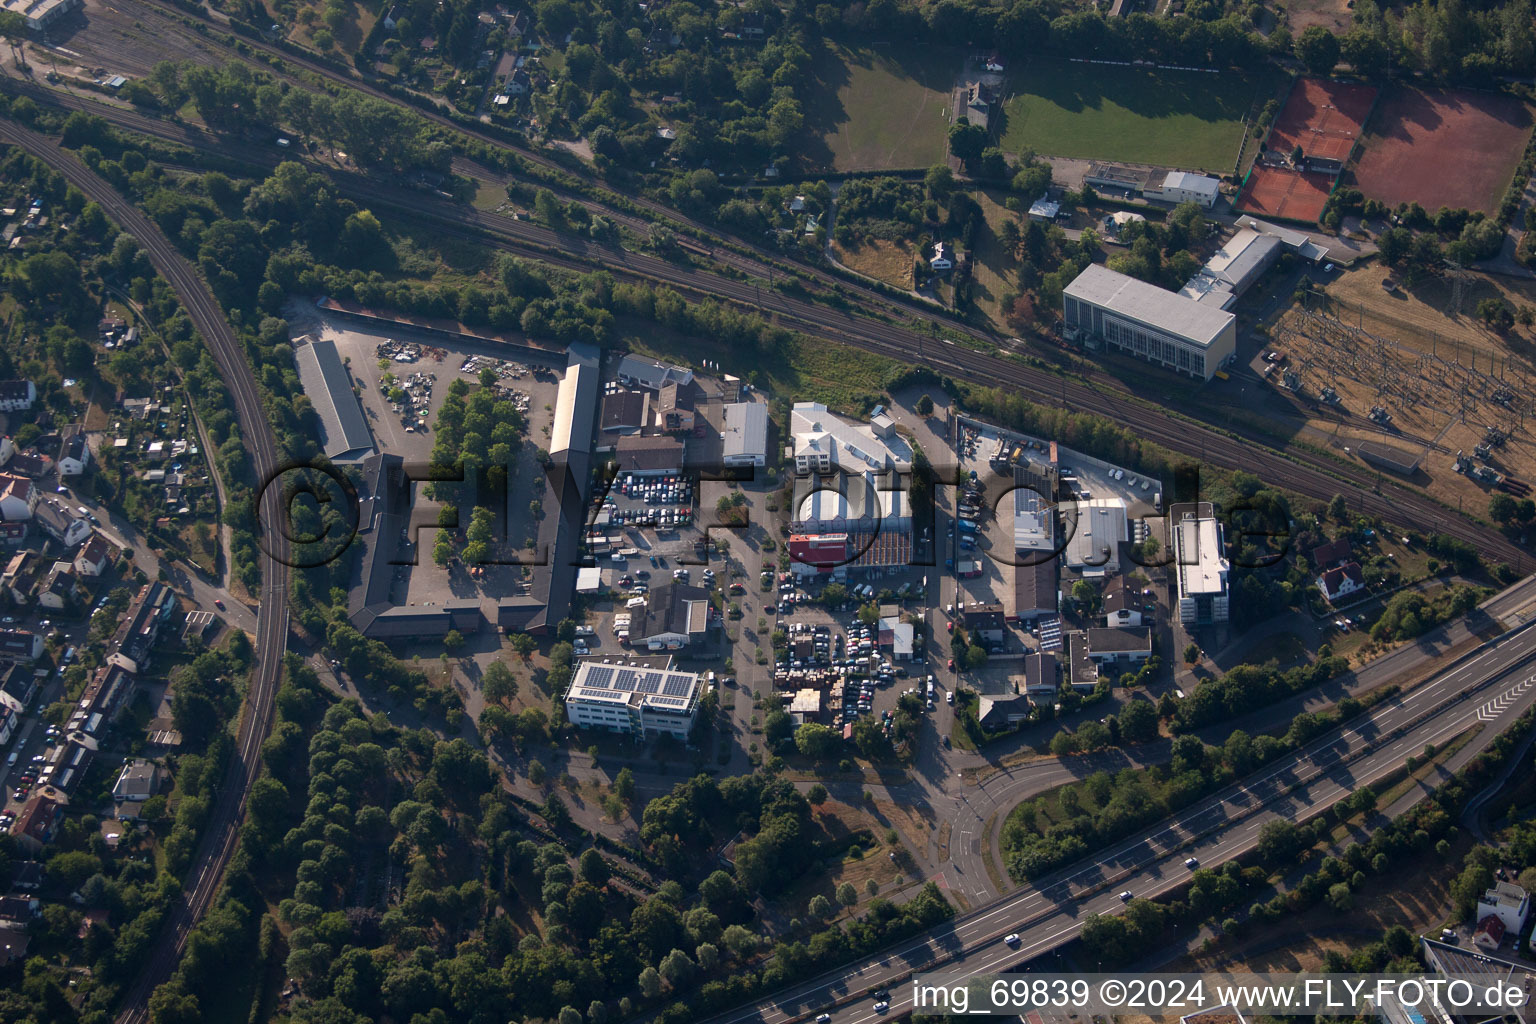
point(1418, 134)
point(1325, 118)
point(1285, 193)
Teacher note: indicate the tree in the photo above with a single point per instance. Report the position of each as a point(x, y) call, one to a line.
point(593, 868)
point(1339, 897)
point(453, 641)
point(624, 784)
point(1502, 508)
point(1138, 721)
point(833, 595)
point(569, 1015)
point(676, 967)
point(966, 140)
point(1318, 49)
point(869, 614)
point(925, 403)
point(536, 772)
point(816, 741)
point(1192, 654)
point(499, 684)
point(939, 181)
point(847, 895)
point(819, 907)
point(817, 794)
point(522, 644)
point(650, 983)
point(1338, 511)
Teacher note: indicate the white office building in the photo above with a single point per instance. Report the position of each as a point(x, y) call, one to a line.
point(638, 700)
point(824, 441)
point(1200, 564)
point(1162, 327)
point(1184, 187)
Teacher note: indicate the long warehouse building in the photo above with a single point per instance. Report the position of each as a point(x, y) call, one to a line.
point(1159, 326)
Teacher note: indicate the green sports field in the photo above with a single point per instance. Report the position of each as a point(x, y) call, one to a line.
point(1187, 119)
point(879, 108)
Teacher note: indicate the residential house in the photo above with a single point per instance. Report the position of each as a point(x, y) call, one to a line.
point(985, 623)
point(1334, 553)
point(942, 260)
point(17, 395)
point(74, 453)
point(1489, 933)
point(1002, 711)
point(18, 497)
point(140, 627)
point(1042, 677)
point(137, 782)
point(61, 589)
point(18, 685)
point(1506, 901)
point(14, 535)
point(1121, 604)
point(21, 577)
point(35, 826)
point(21, 643)
point(674, 407)
point(392, 16)
point(20, 909)
point(61, 522)
point(95, 556)
point(30, 464)
point(1341, 581)
point(14, 942)
point(9, 716)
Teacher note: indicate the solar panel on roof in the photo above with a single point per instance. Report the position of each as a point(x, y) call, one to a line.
point(677, 685)
point(599, 675)
point(650, 682)
point(627, 680)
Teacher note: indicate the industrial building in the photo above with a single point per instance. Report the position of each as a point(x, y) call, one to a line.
point(344, 433)
point(1233, 269)
point(674, 616)
point(1200, 564)
point(864, 499)
point(39, 14)
point(640, 701)
point(1095, 530)
point(1159, 326)
point(746, 434)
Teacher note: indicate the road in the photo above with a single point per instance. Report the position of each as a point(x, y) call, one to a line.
point(1289, 465)
point(221, 830)
point(1492, 689)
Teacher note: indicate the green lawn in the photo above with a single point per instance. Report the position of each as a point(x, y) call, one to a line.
point(1187, 119)
point(880, 108)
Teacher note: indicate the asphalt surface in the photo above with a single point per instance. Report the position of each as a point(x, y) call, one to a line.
point(1284, 464)
point(1492, 688)
point(220, 832)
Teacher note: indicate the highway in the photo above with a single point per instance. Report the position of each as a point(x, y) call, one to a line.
point(1492, 688)
point(221, 830)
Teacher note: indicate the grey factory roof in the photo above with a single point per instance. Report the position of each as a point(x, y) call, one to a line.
point(1164, 310)
point(576, 402)
point(344, 432)
point(746, 430)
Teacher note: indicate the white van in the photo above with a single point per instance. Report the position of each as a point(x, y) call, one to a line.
point(10, 762)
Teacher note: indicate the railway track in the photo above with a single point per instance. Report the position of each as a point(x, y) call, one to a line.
point(221, 831)
point(1291, 466)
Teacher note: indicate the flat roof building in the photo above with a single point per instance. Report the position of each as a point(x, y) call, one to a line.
point(1185, 187)
point(1095, 530)
point(1034, 522)
point(639, 700)
point(1233, 269)
point(344, 433)
point(1159, 326)
point(746, 434)
point(1200, 564)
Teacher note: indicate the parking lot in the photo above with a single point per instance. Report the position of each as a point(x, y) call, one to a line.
point(662, 503)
